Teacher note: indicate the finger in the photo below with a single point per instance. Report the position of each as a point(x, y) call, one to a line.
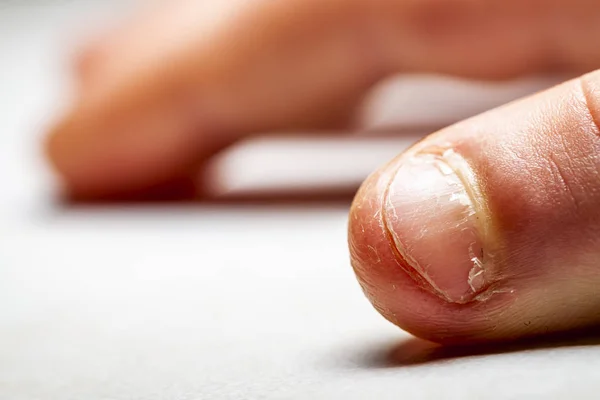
point(86, 59)
point(489, 229)
point(93, 54)
point(132, 129)
point(193, 78)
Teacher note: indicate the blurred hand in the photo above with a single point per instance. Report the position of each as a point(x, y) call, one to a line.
point(487, 230)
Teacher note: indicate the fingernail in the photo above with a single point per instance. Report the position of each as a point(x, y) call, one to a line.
point(431, 212)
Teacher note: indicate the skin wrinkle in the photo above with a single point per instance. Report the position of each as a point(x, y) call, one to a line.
point(561, 177)
point(564, 163)
point(588, 101)
point(518, 253)
point(593, 119)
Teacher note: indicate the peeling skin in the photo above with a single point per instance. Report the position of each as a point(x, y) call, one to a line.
point(474, 222)
point(458, 165)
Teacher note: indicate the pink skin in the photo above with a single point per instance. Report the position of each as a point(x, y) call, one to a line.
point(536, 162)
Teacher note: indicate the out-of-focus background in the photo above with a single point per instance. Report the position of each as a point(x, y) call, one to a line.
point(220, 301)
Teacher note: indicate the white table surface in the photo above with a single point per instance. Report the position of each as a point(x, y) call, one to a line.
point(202, 302)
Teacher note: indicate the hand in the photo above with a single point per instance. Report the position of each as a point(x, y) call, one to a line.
point(487, 230)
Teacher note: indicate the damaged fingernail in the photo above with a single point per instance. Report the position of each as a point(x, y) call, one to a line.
point(433, 215)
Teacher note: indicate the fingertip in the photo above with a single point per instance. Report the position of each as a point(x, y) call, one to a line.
point(394, 283)
point(70, 151)
point(57, 149)
point(518, 183)
point(390, 284)
point(96, 158)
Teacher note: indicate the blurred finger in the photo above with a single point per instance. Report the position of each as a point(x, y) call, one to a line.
point(191, 78)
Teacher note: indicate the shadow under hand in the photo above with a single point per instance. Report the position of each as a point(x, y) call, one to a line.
point(321, 168)
point(415, 351)
point(186, 191)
